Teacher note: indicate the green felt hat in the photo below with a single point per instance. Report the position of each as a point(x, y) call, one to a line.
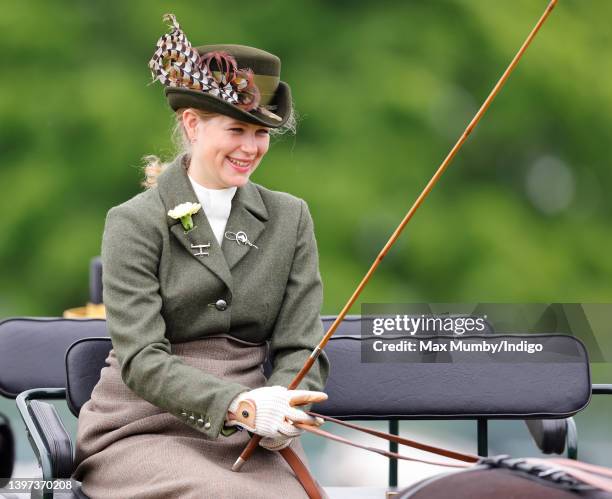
point(234, 80)
point(275, 94)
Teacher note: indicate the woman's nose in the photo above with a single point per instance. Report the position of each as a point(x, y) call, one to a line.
point(249, 145)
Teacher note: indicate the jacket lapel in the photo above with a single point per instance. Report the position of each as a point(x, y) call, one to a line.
point(175, 188)
point(248, 215)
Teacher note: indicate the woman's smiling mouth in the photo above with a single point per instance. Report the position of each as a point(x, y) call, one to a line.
point(240, 165)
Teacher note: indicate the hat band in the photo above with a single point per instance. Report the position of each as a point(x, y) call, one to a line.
point(266, 84)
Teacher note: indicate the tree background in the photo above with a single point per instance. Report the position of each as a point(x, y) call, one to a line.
point(383, 89)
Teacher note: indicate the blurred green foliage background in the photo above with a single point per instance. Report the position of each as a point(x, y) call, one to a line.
point(384, 89)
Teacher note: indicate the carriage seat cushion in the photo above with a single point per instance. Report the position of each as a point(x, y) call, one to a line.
point(32, 350)
point(457, 386)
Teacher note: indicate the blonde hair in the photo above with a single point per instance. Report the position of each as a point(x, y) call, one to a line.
point(154, 166)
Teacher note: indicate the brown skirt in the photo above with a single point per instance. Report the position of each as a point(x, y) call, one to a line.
point(129, 448)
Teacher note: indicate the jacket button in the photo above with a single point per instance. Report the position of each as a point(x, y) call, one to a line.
point(200, 422)
point(184, 414)
point(221, 305)
point(207, 425)
point(192, 419)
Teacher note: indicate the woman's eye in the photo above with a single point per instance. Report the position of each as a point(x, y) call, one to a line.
point(263, 131)
point(236, 129)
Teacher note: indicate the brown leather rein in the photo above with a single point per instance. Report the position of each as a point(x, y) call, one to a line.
point(591, 475)
point(466, 458)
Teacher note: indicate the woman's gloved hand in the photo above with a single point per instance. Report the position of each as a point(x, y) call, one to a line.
point(269, 412)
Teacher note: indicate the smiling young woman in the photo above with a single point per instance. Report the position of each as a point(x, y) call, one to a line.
point(205, 275)
point(225, 151)
point(202, 134)
point(195, 133)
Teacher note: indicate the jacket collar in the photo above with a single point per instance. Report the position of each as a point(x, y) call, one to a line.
point(248, 214)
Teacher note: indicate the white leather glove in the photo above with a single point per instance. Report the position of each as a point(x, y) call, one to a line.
point(269, 412)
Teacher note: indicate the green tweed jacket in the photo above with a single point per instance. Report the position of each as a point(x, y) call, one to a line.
point(157, 291)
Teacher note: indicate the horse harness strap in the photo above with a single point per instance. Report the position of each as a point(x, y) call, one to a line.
point(589, 474)
point(570, 474)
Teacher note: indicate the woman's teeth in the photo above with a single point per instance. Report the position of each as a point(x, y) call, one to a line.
point(238, 163)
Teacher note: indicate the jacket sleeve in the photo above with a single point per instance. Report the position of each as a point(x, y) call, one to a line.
point(298, 328)
point(131, 251)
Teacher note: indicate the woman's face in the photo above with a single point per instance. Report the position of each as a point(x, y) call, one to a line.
point(225, 151)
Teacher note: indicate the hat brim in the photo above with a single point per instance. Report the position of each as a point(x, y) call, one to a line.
point(185, 97)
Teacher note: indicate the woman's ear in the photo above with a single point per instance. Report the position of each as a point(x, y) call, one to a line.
point(190, 122)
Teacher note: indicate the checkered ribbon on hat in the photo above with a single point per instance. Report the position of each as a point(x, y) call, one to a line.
point(175, 63)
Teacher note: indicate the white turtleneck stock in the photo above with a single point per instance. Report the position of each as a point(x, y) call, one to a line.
point(217, 204)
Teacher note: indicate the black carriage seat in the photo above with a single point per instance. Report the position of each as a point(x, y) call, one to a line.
point(33, 349)
point(32, 352)
point(412, 391)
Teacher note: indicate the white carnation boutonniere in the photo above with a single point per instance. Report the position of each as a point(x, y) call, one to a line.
point(184, 212)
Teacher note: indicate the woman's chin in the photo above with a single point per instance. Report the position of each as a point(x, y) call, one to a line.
point(236, 179)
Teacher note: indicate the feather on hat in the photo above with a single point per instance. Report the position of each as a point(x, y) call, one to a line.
point(234, 80)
